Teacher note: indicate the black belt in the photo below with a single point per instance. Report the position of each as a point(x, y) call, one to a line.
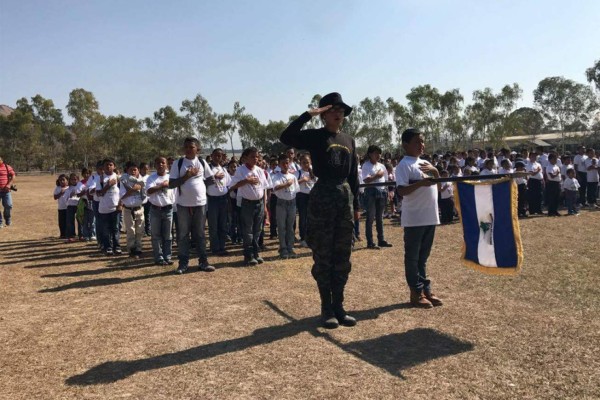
point(252, 201)
point(169, 207)
point(133, 208)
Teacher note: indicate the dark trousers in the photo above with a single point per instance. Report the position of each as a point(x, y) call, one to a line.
point(191, 221)
point(592, 192)
point(582, 179)
point(302, 206)
point(552, 196)
point(147, 222)
point(252, 215)
point(235, 230)
point(273, 214)
point(417, 247)
point(110, 224)
point(217, 222)
point(571, 200)
point(70, 222)
point(62, 223)
point(99, 227)
point(330, 229)
point(522, 199)
point(534, 196)
point(447, 210)
point(375, 204)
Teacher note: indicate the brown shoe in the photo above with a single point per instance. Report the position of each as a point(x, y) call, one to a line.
point(433, 299)
point(418, 299)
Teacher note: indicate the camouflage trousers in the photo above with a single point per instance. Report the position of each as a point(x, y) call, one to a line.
point(329, 233)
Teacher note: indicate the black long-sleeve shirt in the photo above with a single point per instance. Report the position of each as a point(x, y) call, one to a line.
point(333, 154)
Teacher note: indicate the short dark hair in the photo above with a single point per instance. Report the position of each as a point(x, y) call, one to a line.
point(143, 164)
point(374, 148)
point(249, 151)
point(282, 157)
point(409, 134)
point(108, 160)
point(217, 150)
point(191, 139)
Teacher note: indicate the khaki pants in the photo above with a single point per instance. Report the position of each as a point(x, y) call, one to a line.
point(134, 227)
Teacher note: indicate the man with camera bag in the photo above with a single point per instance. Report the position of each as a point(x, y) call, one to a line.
point(7, 175)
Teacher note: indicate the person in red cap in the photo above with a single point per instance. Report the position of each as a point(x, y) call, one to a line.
point(331, 202)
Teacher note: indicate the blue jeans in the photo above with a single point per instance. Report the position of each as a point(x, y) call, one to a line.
point(375, 204)
point(286, 215)
point(7, 205)
point(571, 199)
point(110, 224)
point(89, 226)
point(99, 227)
point(191, 220)
point(160, 224)
point(417, 246)
point(217, 222)
point(302, 206)
point(251, 218)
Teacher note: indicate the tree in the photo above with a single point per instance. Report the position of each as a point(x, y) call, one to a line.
point(452, 130)
point(525, 121)
point(565, 103)
point(314, 123)
point(249, 130)
point(234, 122)
point(168, 130)
point(54, 136)
point(20, 136)
point(593, 74)
point(203, 121)
point(87, 120)
point(124, 140)
point(373, 126)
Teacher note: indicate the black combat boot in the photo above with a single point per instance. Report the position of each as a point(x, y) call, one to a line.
point(328, 318)
point(337, 293)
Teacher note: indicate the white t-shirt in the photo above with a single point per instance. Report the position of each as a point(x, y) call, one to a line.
point(592, 175)
point(369, 170)
point(502, 170)
point(220, 187)
point(133, 200)
point(554, 169)
point(93, 184)
point(251, 192)
point(571, 184)
point(306, 187)
point(193, 192)
point(161, 198)
point(579, 161)
point(532, 166)
point(420, 208)
point(81, 187)
point(447, 191)
point(564, 168)
point(145, 188)
point(62, 200)
point(288, 193)
point(110, 200)
point(71, 194)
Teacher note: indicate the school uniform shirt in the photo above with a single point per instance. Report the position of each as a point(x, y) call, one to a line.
point(486, 171)
point(505, 171)
point(461, 162)
point(579, 162)
point(447, 191)
point(554, 169)
point(592, 175)
point(133, 200)
point(94, 184)
point(521, 181)
point(161, 198)
point(306, 187)
point(369, 170)
point(71, 194)
point(145, 188)
point(564, 168)
point(293, 168)
point(193, 192)
point(247, 191)
point(220, 187)
point(288, 193)
point(472, 168)
point(360, 180)
point(532, 166)
point(571, 184)
point(82, 186)
point(420, 208)
point(62, 200)
point(110, 200)
point(543, 160)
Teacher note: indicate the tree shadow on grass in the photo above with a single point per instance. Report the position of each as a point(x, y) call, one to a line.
point(392, 353)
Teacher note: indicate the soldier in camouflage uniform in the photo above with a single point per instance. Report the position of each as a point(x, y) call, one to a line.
point(331, 202)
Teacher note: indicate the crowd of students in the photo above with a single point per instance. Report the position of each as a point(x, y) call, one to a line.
point(245, 201)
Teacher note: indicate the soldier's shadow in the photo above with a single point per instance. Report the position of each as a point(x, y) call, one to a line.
point(392, 353)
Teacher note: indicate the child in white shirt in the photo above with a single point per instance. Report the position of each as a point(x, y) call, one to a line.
point(133, 209)
point(446, 199)
point(285, 187)
point(62, 184)
point(571, 187)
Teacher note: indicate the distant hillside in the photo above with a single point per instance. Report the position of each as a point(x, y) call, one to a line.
point(5, 110)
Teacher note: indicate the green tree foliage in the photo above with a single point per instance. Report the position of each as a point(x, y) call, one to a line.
point(373, 126)
point(593, 74)
point(21, 137)
point(525, 121)
point(203, 121)
point(87, 121)
point(167, 130)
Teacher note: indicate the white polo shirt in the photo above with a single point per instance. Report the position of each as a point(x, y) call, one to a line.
point(250, 192)
point(288, 193)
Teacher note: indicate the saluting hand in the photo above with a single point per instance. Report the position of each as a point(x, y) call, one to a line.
point(318, 111)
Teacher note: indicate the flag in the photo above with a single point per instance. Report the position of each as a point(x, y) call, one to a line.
point(488, 212)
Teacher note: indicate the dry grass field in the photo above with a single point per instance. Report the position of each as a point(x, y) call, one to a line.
point(75, 324)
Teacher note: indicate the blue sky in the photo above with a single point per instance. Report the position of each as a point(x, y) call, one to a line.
point(273, 56)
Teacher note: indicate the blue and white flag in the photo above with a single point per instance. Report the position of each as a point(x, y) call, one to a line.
point(488, 212)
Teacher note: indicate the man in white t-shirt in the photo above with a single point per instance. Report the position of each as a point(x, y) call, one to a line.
point(419, 216)
point(579, 164)
point(161, 200)
point(218, 202)
point(187, 176)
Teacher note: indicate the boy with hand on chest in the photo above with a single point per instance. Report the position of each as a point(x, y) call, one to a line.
point(109, 209)
point(419, 216)
point(285, 187)
point(133, 217)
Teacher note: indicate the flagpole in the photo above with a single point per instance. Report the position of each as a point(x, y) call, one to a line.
point(455, 179)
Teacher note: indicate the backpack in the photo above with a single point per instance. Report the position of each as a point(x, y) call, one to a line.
point(180, 163)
